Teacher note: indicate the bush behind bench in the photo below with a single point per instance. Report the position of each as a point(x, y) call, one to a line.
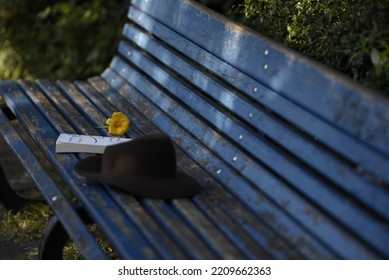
point(73, 39)
point(349, 36)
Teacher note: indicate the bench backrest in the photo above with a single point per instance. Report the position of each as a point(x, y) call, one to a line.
point(303, 149)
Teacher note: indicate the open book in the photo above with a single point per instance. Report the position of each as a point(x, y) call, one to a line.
point(73, 143)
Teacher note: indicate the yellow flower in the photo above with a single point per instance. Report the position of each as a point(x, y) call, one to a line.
point(118, 124)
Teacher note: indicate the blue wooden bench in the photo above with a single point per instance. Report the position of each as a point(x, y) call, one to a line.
point(292, 157)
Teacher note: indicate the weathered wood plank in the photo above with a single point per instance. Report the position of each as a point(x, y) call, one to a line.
point(353, 108)
point(319, 191)
point(220, 171)
point(92, 196)
point(309, 151)
point(84, 102)
point(122, 107)
point(159, 99)
point(72, 223)
point(235, 210)
point(140, 217)
point(344, 144)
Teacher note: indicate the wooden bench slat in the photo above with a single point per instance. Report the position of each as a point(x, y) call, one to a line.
point(182, 234)
point(141, 102)
point(95, 97)
point(224, 247)
point(96, 115)
point(374, 196)
point(143, 108)
point(242, 190)
point(75, 94)
point(294, 203)
point(142, 123)
point(362, 156)
point(188, 164)
point(94, 198)
point(234, 232)
point(85, 103)
point(102, 104)
point(164, 244)
point(181, 90)
point(358, 111)
point(81, 236)
point(218, 242)
point(319, 191)
point(67, 118)
point(191, 245)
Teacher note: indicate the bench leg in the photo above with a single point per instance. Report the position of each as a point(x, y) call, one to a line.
point(8, 196)
point(55, 238)
point(7, 112)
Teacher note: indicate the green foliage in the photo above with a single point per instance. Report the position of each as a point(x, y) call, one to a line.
point(350, 36)
point(76, 39)
point(58, 39)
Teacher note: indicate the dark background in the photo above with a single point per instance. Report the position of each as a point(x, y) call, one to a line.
point(75, 39)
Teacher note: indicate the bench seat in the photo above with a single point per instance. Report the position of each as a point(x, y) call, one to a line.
point(292, 157)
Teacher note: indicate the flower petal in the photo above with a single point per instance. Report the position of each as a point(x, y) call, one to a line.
point(118, 124)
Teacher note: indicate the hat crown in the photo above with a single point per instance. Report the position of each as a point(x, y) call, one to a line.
point(145, 166)
point(151, 156)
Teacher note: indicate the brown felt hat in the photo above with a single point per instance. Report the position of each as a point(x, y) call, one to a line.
point(144, 166)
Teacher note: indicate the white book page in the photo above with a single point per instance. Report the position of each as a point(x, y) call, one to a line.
point(74, 143)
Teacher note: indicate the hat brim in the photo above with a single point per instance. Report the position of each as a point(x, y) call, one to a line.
point(180, 185)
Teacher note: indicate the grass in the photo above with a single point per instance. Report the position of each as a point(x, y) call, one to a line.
point(71, 252)
point(28, 225)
